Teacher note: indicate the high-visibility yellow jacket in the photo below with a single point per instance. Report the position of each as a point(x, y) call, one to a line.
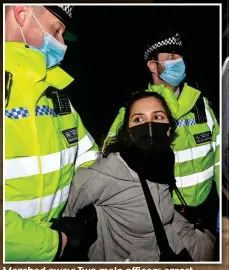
point(42, 152)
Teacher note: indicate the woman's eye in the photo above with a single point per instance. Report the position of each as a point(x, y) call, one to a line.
point(138, 120)
point(158, 117)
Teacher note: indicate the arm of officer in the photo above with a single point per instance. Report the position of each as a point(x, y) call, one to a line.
point(214, 127)
point(87, 148)
point(115, 126)
point(29, 241)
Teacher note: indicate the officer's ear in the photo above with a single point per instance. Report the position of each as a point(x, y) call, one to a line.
point(152, 66)
point(21, 13)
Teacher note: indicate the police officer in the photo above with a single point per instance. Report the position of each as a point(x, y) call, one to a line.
point(196, 145)
point(45, 140)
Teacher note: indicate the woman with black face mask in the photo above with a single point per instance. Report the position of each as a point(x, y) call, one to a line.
point(126, 229)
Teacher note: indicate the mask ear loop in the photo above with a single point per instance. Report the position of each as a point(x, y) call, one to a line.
point(22, 34)
point(159, 62)
point(60, 44)
point(37, 20)
point(155, 61)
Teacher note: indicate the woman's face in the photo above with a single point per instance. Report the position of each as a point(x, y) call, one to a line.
point(148, 109)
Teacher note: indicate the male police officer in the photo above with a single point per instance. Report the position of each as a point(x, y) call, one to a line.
point(45, 137)
point(196, 146)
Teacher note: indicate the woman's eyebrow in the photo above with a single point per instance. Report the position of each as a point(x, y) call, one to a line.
point(137, 114)
point(159, 112)
point(152, 112)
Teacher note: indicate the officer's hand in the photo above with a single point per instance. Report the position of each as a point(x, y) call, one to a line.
point(64, 242)
point(81, 232)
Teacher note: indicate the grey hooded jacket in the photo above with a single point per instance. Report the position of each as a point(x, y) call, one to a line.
point(125, 230)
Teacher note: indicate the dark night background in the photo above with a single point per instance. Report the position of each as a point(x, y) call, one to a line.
point(107, 60)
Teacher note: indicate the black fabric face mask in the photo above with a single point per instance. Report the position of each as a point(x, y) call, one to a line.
point(149, 153)
point(151, 136)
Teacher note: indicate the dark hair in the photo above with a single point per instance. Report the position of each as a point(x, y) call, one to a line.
point(153, 56)
point(118, 142)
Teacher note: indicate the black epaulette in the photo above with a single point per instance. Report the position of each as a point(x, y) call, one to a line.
point(8, 83)
point(199, 110)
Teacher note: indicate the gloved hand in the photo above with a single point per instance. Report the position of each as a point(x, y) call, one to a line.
point(81, 232)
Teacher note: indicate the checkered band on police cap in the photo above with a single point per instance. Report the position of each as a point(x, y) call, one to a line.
point(67, 9)
point(171, 41)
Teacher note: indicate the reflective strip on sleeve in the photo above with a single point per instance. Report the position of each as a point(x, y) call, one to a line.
point(192, 153)
point(217, 164)
point(85, 144)
point(56, 161)
point(88, 156)
point(30, 208)
point(27, 166)
point(210, 120)
point(217, 142)
point(194, 179)
point(21, 167)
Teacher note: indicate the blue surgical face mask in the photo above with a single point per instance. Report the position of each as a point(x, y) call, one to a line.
point(53, 50)
point(174, 72)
